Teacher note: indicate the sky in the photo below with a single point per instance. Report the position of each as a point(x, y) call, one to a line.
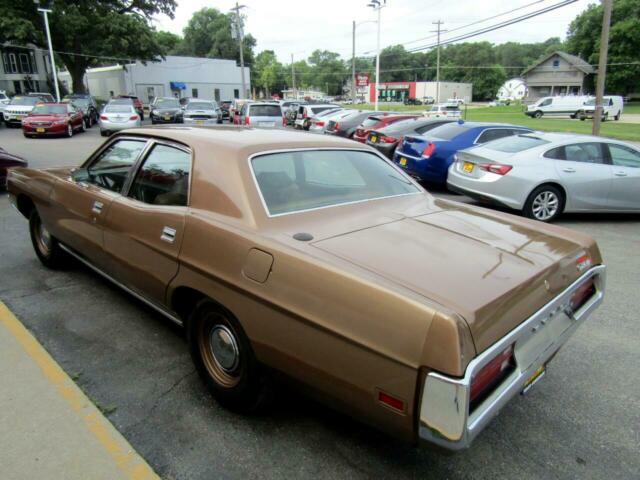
point(298, 27)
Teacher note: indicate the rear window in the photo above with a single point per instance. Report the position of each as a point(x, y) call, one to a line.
point(265, 111)
point(118, 109)
point(517, 143)
point(320, 109)
point(370, 122)
point(448, 131)
point(303, 180)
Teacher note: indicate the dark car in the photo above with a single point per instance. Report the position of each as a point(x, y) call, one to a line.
point(386, 139)
point(225, 106)
point(428, 157)
point(137, 103)
point(347, 126)
point(377, 121)
point(412, 101)
point(7, 161)
point(166, 110)
point(88, 106)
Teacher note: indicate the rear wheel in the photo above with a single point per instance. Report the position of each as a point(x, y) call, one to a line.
point(45, 245)
point(224, 359)
point(82, 127)
point(545, 203)
point(617, 117)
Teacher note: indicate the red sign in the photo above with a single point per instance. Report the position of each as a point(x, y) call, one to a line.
point(362, 79)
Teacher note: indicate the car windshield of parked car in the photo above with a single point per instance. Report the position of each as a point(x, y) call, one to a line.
point(303, 180)
point(167, 103)
point(448, 131)
point(265, 111)
point(200, 106)
point(49, 109)
point(516, 143)
point(118, 109)
point(25, 100)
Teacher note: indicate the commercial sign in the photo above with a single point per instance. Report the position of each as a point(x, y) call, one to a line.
point(362, 79)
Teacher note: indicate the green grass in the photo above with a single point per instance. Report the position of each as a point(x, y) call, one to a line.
point(513, 114)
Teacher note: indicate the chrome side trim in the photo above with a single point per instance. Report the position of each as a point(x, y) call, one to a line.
point(445, 419)
point(131, 292)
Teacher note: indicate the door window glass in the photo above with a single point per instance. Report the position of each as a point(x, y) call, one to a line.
point(623, 156)
point(584, 152)
point(111, 169)
point(163, 178)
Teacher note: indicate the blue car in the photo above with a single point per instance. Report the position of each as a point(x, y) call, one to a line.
point(428, 157)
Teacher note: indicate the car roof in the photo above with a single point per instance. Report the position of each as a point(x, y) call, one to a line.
point(561, 137)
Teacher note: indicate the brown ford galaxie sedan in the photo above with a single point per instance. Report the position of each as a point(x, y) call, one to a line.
point(317, 258)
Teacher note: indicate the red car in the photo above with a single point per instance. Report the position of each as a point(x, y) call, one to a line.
point(53, 119)
point(7, 161)
point(375, 122)
point(137, 104)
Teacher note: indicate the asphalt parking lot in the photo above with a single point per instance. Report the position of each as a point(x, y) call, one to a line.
point(581, 421)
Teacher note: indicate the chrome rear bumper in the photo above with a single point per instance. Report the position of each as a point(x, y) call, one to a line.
point(445, 419)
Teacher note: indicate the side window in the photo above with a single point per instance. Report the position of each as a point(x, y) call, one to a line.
point(163, 178)
point(493, 134)
point(555, 153)
point(112, 167)
point(623, 156)
point(547, 102)
point(584, 152)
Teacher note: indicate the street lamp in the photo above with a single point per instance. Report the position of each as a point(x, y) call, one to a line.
point(45, 12)
point(376, 5)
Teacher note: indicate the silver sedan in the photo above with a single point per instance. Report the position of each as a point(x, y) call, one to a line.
point(545, 174)
point(116, 117)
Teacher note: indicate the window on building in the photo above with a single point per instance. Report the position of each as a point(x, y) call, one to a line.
point(556, 64)
point(5, 61)
point(194, 92)
point(34, 64)
point(13, 64)
point(236, 93)
point(24, 63)
point(17, 87)
point(216, 94)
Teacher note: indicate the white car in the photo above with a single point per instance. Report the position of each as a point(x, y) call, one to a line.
point(306, 112)
point(116, 117)
point(319, 122)
point(201, 112)
point(455, 101)
point(443, 110)
point(546, 174)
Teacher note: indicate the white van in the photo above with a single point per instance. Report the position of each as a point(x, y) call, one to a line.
point(567, 106)
point(612, 106)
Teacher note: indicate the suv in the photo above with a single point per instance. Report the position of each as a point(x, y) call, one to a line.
point(261, 114)
point(87, 104)
point(137, 103)
point(4, 101)
point(19, 107)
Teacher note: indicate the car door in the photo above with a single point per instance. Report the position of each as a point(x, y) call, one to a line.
point(144, 227)
point(81, 202)
point(585, 174)
point(625, 189)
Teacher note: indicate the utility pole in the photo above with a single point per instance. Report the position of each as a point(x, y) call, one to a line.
point(353, 65)
point(602, 64)
point(376, 5)
point(293, 79)
point(45, 12)
point(240, 34)
point(438, 31)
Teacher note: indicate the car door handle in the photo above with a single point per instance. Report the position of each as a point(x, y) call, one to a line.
point(620, 174)
point(168, 234)
point(97, 207)
point(569, 170)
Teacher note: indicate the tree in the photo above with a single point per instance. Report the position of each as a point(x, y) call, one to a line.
point(267, 72)
point(329, 72)
point(169, 42)
point(583, 39)
point(208, 34)
point(87, 32)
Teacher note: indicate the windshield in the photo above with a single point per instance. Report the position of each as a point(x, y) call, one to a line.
point(49, 109)
point(200, 106)
point(447, 131)
point(118, 109)
point(517, 143)
point(25, 100)
point(167, 103)
point(303, 180)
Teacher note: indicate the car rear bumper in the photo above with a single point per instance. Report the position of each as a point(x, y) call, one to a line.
point(445, 416)
point(505, 191)
point(114, 127)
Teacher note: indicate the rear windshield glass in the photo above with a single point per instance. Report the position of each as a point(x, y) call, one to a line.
point(25, 100)
point(320, 109)
point(370, 122)
point(448, 131)
point(303, 180)
point(200, 106)
point(265, 111)
point(516, 143)
point(118, 109)
point(48, 109)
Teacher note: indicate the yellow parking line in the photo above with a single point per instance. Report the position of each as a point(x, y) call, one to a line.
point(128, 461)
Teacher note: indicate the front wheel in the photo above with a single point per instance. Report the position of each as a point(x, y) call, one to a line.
point(69, 130)
point(224, 359)
point(545, 203)
point(538, 114)
point(45, 245)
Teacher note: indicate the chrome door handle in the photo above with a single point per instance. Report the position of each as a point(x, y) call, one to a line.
point(569, 170)
point(168, 234)
point(620, 174)
point(97, 207)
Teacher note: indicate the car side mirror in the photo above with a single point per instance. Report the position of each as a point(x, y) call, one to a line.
point(80, 175)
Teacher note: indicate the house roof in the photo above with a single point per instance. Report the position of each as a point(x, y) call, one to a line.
point(573, 60)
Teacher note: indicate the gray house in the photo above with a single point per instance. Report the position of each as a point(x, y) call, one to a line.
point(24, 70)
point(559, 73)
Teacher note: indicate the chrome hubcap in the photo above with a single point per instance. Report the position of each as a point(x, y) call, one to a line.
point(45, 238)
point(545, 205)
point(224, 348)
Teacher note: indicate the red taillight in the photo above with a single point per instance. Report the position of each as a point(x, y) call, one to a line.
point(318, 123)
point(495, 168)
point(359, 132)
point(133, 117)
point(104, 117)
point(246, 120)
point(304, 113)
point(390, 401)
point(491, 373)
point(336, 126)
point(582, 294)
point(385, 139)
point(428, 150)
point(284, 121)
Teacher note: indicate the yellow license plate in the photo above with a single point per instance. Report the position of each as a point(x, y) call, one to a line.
point(167, 117)
point(403, 161)
point(40, 130)
point(533, 379)
point(468, 167)
point(200, 122)
point(374, 138)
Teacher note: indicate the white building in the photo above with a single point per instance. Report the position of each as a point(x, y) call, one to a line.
point(398, 91)
point(24, 70)
point(300, 94)
point(210, 78)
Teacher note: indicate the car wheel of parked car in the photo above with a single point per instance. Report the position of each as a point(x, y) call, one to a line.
point(87, 122)
point(617, 117)
point(538, 114)
point(545, 203)
point(224, 359)
point(46, 246)
point(82, 127)
point(69, 130)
